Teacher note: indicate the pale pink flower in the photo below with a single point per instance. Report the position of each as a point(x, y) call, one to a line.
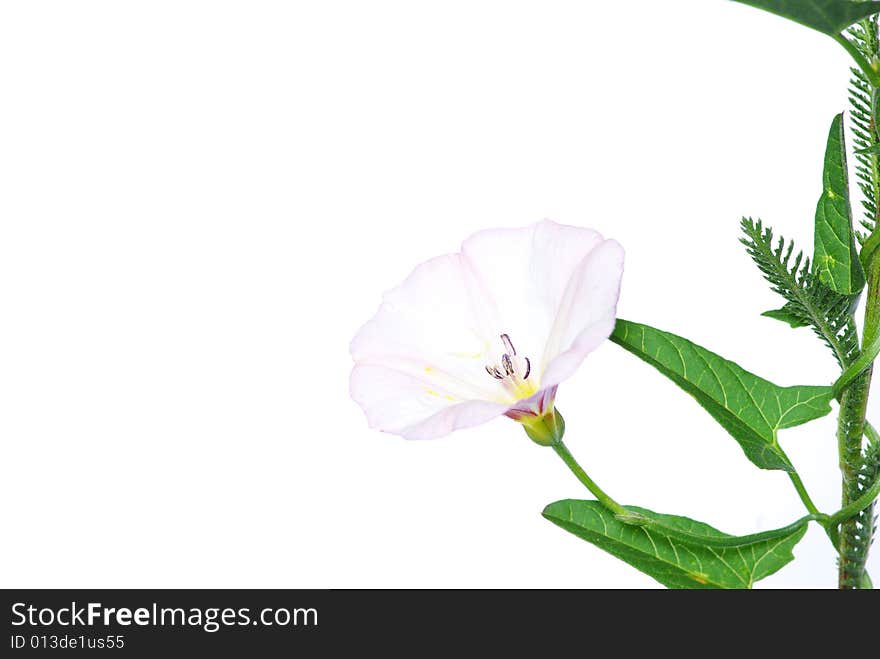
point(487, 332)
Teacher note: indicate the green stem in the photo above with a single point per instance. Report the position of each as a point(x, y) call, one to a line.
point(635, 518)
point(823, 519)
point(563, 452)
point(858, 505)
point(802, 493)
point(859, 366)
point(850, 430)
point(854, 385)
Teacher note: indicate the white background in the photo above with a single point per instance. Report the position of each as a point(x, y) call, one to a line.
point(202, 202)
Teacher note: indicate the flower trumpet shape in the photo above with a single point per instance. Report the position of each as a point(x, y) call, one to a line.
point(487, 332)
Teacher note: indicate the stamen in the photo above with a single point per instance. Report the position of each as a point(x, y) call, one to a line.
point(513, 372)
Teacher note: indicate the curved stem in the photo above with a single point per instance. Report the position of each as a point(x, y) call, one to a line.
point(858, 505)
point(603, 497)
point(859, 366)
point(563, 452)
point(802, 493)
point(823, 519)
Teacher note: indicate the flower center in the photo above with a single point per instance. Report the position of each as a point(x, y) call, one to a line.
point(513, 372)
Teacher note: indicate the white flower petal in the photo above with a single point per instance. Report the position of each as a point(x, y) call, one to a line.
point(586, 314)
point(402, 404)
point(528, 273)
point(427, 328)
point(421, 361)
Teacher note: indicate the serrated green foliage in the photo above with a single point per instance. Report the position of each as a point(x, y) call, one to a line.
point(836, 257)
point(827, 312)
point(750, 408)
point(870, 470)
point(829, 16)
point(863, 124)
point(861, 465)
point(860, 532)
point(786, 315)
point(867, 151)
point(831, 316)
point(671, 561)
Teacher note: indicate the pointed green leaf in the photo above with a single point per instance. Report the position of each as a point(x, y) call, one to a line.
point(707, 559)
point(786, 316)
point(750, 408)
point(836, 257)
point(829, 16)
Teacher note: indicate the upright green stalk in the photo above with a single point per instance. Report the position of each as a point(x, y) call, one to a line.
point(850, 428)
point(856, 533)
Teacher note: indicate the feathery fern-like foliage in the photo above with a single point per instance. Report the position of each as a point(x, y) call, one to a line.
point(863, 125)
point(868, 475)
point(830, 314)
point(807, 300)
point(864, 101)
point(860, 532)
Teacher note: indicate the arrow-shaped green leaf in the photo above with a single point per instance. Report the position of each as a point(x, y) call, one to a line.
point(836, 257)
point(707, 559)
point(829, 16)
point(750, 408)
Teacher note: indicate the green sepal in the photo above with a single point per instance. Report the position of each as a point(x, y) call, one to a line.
point(544, 430)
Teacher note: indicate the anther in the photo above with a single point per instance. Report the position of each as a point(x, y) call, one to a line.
point(513, 369)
